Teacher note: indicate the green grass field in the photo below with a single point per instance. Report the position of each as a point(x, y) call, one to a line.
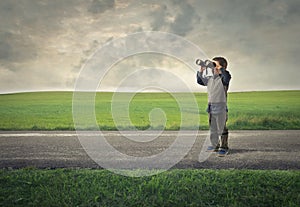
point(65, 187)
point(187, 187)
point(53, 111)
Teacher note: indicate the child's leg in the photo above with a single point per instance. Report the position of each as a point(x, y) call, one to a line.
point(224, 137)
point(213, 128)
point(221, 122)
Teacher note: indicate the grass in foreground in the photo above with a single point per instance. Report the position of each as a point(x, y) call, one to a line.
point(53, 111)
point(84, 187)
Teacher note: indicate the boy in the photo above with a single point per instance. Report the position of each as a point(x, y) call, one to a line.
point(217, 87)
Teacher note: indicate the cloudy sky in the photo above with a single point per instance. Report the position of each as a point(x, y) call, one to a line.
point(44, 44)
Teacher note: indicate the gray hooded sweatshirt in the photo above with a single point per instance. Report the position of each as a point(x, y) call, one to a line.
point(217, 86)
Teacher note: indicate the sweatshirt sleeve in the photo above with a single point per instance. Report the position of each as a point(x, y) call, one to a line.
point(225, 77)
point(200, 80)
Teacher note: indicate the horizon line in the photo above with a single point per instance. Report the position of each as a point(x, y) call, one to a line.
point(45, 91)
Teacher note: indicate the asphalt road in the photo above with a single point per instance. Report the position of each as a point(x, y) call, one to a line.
point(62, 149)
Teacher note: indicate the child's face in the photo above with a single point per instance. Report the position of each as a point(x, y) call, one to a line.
point(218, 66)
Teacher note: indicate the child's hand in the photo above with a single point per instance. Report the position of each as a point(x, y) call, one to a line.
point(217, 71)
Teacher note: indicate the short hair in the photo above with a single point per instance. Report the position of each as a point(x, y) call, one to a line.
point(222, 61)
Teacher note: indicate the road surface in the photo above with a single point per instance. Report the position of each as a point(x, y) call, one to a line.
point(62, 149)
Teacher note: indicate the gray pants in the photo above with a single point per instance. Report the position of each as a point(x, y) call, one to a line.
point(218, 130)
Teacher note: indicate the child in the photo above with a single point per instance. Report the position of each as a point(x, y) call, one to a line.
point(217, 87)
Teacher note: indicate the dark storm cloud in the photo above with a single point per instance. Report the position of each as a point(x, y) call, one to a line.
point(159, 18)
point(99, 6)
point(16, 48)
point(252, 27)
point(5, 48)
point(294, 8)
point(52, 39)
point(181, 14)
point(26, 25)
point(42, 14)
point(184, 21)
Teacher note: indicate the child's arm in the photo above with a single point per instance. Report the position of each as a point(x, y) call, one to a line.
point(200, 80)
point(225, 76)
